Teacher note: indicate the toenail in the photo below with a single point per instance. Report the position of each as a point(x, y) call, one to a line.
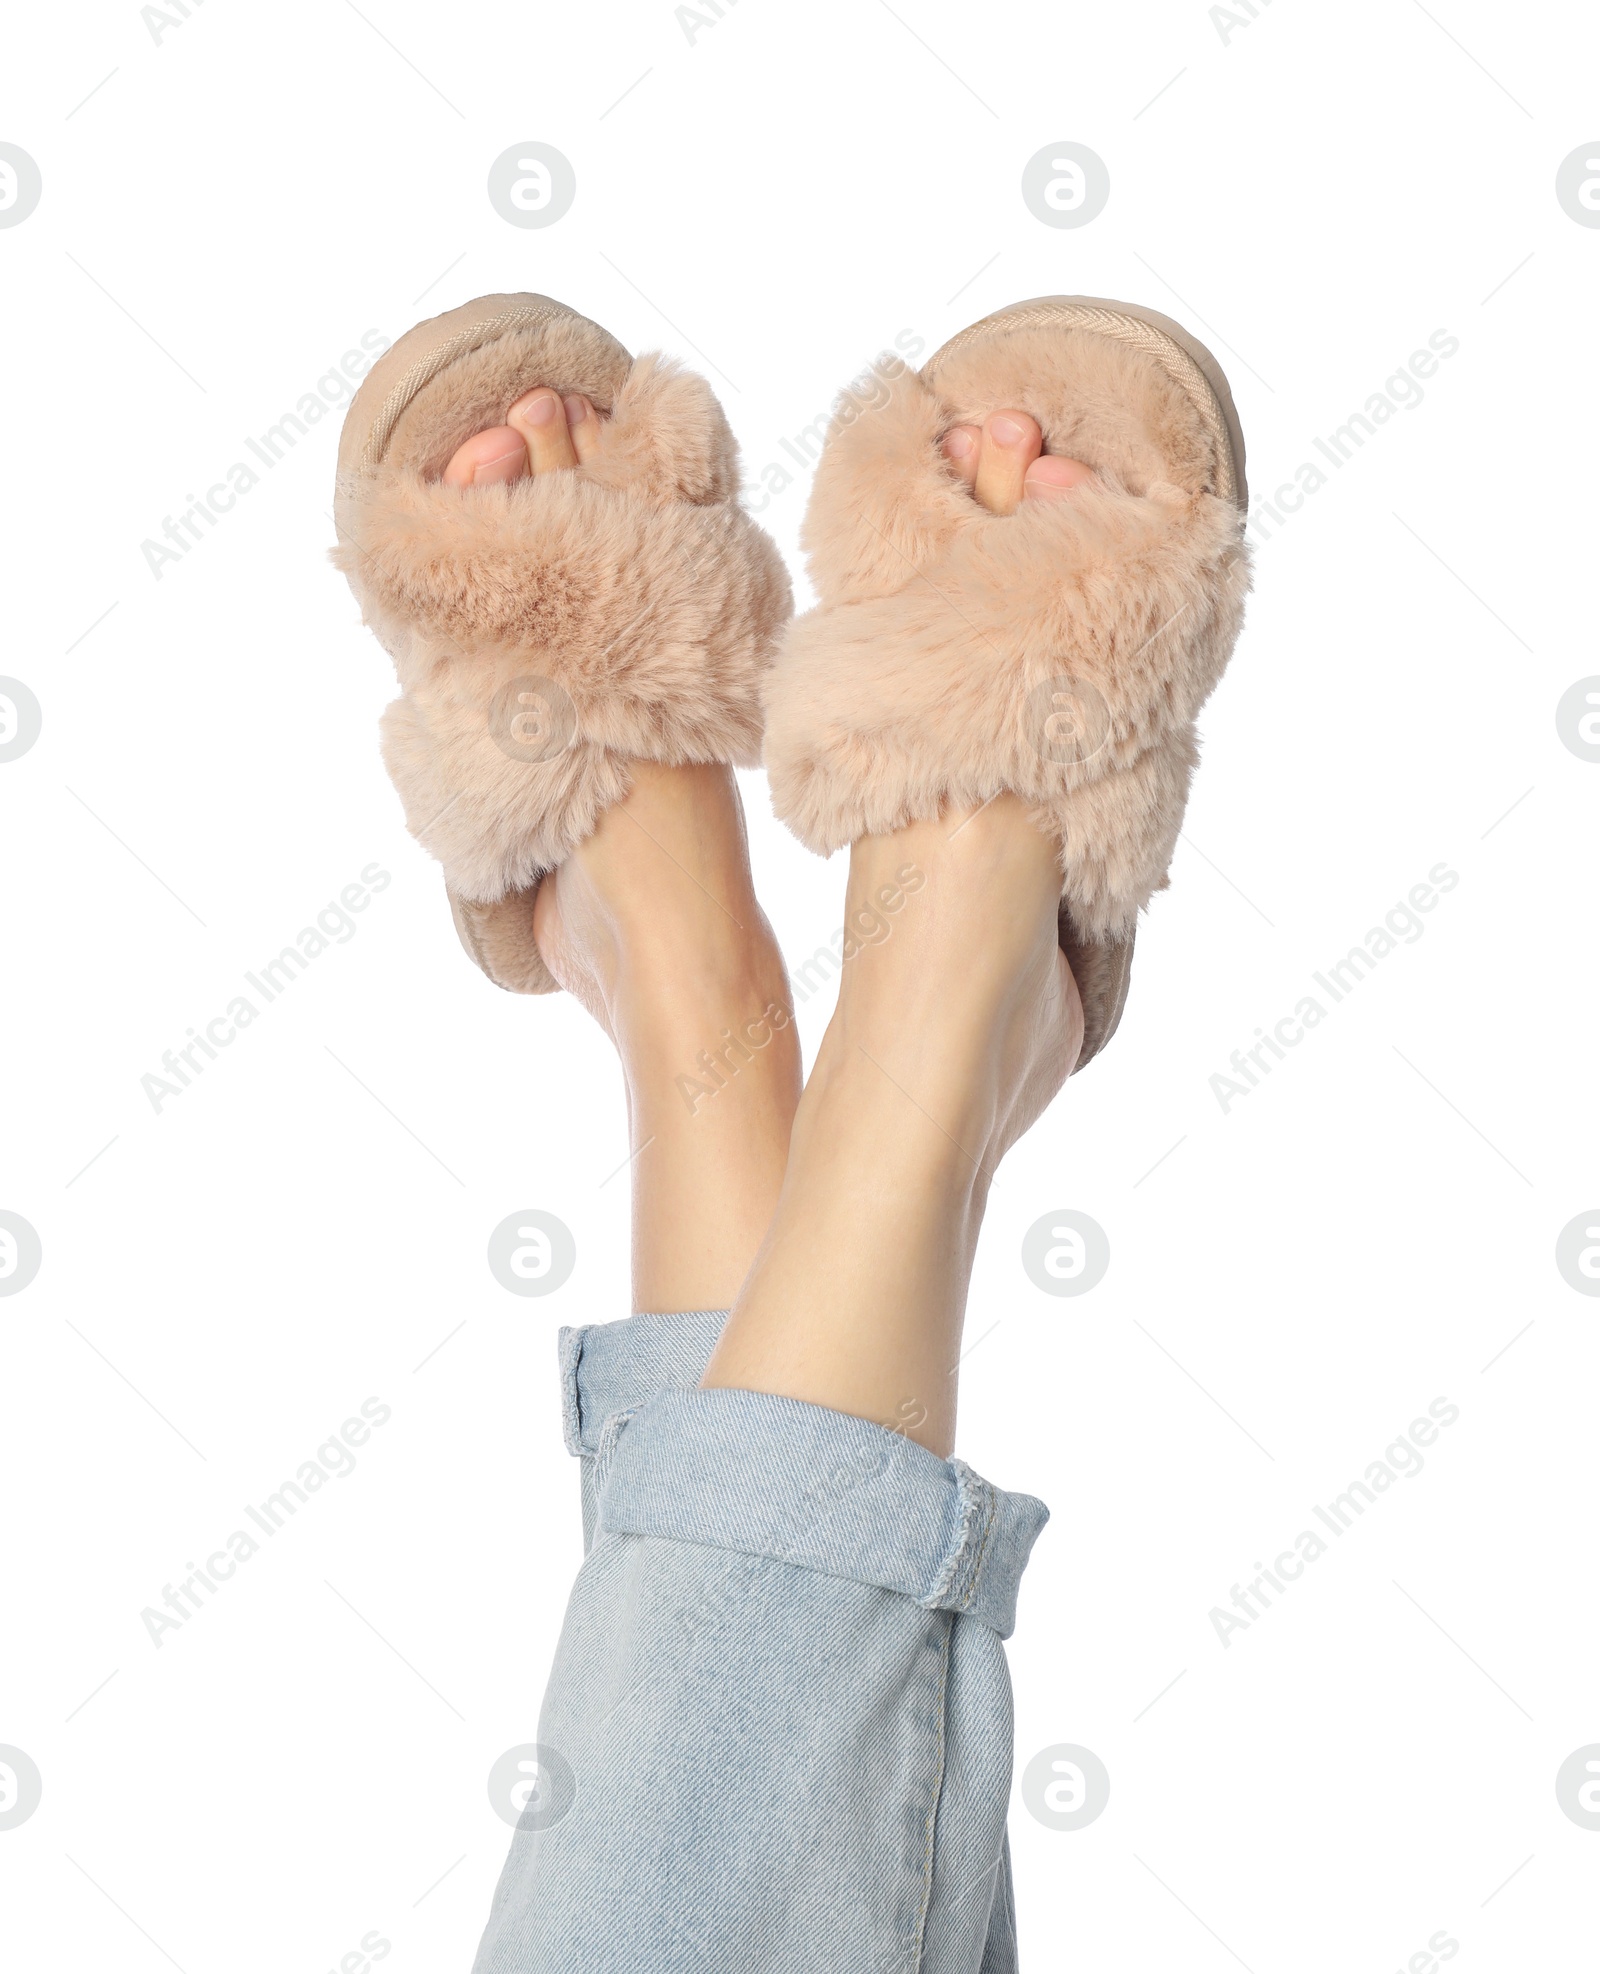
point(542, 409)
point(1057, 473)
point(577, 408)
point(1007, 431)
point(958, 445)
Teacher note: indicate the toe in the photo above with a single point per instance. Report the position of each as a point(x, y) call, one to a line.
point(1049, 477)
point(583, 426)
point(488, 458)
point(541, 418)
point(960, 448)
point(1011, 443)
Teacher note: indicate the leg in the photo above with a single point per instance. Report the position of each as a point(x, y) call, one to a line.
point(779, 1722)
point(950, 1038)
point(783, 1599)
point(653, 924)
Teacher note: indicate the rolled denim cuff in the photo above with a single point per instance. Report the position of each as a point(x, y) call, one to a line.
point(608, 1367)
point(769, 1476)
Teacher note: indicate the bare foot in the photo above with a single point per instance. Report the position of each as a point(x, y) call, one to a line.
point(970, 1000)
point(981, 975)
point(543, 433)
point(1003, 462)
point(653, 925)
point(951, 1036)
point(968, 1009)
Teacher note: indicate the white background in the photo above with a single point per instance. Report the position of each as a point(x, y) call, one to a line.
point(1374, 1227)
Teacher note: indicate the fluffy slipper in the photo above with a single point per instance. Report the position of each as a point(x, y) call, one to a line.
point(548, 630)
point(1061, 652)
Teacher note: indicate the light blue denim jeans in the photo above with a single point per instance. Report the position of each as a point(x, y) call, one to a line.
point(779, 1719)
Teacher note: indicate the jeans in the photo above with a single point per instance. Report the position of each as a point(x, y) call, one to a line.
point(779, 1720)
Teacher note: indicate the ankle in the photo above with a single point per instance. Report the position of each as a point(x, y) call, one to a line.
point(690, 1027)
point(965, 1011)
point(920, 1126)
point(662, 987)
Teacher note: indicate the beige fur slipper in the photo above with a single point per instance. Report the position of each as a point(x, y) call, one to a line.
point(548, 630)
point(1061, 652)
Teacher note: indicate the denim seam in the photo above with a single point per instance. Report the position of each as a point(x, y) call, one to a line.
point(930, 1849)
point(991, 1516)
point(570, 1352)
point(606, 1445)
point(951, 1573)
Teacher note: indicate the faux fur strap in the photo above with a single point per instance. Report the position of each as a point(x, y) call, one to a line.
point(652, 616)
point(1060, 652)
point(548, 631)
